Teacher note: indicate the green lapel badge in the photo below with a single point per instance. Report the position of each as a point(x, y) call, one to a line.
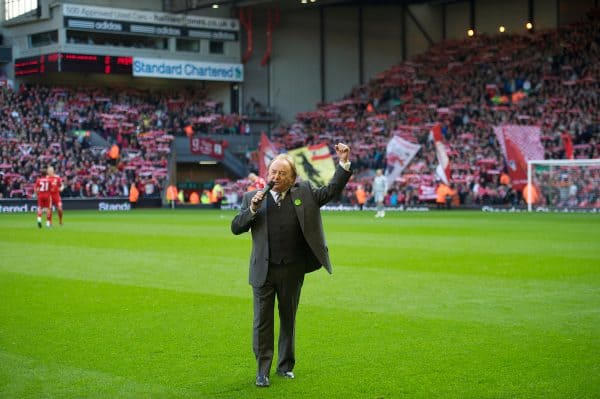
point(297, 202)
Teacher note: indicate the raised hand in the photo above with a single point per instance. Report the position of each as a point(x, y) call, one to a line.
point(343, 152)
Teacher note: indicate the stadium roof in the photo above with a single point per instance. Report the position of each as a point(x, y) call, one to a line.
point(191, 5)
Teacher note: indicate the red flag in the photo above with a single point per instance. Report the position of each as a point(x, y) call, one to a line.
point(266, 152)
point(443, 169)
point(568, 144)
point(519, 144)
point(517, 164)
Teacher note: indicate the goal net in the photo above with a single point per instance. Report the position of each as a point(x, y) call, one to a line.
point(568, 185)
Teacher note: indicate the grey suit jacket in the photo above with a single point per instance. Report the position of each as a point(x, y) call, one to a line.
point(307, 202)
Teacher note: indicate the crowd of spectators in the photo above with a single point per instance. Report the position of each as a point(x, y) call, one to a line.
point(547, 78)
point(49, 125)
point(569, 187)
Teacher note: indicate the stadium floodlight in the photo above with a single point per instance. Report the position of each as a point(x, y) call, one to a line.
point(563, 184)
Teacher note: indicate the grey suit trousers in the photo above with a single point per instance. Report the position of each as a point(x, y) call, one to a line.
point(284, 282)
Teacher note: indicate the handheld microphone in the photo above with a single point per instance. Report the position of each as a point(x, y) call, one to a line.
point(268, 187)
point(256, 202)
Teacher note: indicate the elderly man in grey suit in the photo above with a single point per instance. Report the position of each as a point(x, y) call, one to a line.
point(287, 242)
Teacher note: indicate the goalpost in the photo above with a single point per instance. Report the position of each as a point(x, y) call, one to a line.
point(563, 184)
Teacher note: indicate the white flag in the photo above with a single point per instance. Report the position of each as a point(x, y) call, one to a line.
point(442, 171)
point(399, 154)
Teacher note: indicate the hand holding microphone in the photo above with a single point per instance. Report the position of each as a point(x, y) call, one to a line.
point(259, 196)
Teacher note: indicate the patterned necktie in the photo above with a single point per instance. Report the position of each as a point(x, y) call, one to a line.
point(278, 198)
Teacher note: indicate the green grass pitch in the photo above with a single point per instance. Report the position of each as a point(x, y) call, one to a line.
point(155, 304)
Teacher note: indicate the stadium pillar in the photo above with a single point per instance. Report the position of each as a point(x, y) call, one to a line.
point(531, 12)
point(361, 54)
point(444, 21)
point(322, 51)
point(403, 30)
point(472, 14)
point(235, 98)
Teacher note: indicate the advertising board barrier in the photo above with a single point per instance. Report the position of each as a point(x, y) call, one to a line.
point(119, 204)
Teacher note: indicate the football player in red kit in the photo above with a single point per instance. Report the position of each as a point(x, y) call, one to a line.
point(56, 186)
point(42, 191)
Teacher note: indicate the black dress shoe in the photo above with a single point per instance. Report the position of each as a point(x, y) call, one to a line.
point(286, 374)
point(262, 381)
